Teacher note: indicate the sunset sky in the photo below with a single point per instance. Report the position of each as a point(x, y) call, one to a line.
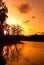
point(27, 13)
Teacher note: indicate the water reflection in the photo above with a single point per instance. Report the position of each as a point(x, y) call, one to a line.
point(12, 52)
point(29, 53)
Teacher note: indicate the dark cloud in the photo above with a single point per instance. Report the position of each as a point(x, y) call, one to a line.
point(33, 17)
point(26, 21)
point(24, 8)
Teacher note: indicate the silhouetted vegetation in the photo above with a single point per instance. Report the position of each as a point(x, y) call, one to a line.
point(9, 39)
point(3, 16)
point(12, 29)
point(16, 30)
point(37, 38)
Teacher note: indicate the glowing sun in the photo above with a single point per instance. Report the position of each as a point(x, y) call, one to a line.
point(14, 21)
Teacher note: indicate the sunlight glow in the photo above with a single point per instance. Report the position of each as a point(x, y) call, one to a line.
point(5, 32)
point(14, 21)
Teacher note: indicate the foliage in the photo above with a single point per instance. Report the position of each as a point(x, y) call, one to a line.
point(12, 29)
point(17, 30)
point(3, 15)
point(3, 11)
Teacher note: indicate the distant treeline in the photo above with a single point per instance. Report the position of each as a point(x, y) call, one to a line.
point(9, 39)
point(37, 38)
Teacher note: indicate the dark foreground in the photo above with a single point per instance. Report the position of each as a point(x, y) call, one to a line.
point(9, 40)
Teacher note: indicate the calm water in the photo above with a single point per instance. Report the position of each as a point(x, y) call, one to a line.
point(32, 53)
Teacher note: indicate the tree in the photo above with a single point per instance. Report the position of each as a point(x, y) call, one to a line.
point(6, 29)
point(19, 30)
point(16, 30)
point(12, 29)
point(3, 15)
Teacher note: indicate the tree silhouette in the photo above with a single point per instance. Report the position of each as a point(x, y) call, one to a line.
point(12, 29)
point(6, 28)
point(3, 15)
point(17, 30)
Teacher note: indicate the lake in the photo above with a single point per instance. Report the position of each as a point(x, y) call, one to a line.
point(29, 53)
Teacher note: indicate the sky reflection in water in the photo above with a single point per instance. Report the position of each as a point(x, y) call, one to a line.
point(32, 53)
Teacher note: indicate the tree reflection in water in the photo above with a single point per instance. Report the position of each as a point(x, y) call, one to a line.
point(12, 53)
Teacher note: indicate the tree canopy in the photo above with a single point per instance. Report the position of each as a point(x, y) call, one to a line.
point(3, 15)
point(3, 11)
point(12, 29)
